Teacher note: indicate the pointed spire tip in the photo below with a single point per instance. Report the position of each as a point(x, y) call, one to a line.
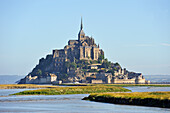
point(81, 24)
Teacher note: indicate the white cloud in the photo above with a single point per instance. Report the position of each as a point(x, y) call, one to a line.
point(165, 44)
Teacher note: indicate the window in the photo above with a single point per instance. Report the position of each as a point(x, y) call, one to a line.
point(86, 54)
point(95, 54)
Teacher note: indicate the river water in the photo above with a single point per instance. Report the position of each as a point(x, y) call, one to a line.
point(70, 103)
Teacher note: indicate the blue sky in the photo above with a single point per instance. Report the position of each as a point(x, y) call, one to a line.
point(135, 33)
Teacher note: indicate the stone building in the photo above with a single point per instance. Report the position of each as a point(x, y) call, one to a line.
point(99, 78)
point(105, 77)
point(94, 81)
point(131, 78)
point(120, 71)
point(41, 80)
point(84, 48)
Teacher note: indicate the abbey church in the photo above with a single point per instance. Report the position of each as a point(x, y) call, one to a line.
point(82, 49)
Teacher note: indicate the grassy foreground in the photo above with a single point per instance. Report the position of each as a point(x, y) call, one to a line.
point(24, 86)
point(74, 90)
point(155, 99)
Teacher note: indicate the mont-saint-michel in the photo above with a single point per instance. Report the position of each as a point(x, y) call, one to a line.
point(81, 61)
point(104, 66)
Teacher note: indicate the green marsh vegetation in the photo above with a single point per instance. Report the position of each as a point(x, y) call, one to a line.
point(155, 99)
point(24, 86)
point(74, 90)
point(28, 86)
point(135, 95)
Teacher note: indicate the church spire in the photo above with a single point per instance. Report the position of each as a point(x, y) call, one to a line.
point(81, 27)
point(81, 34)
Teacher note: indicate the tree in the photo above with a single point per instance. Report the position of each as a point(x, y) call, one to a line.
point(91, 62)
point(111, 71)
point(80, 65)
point(115, 68)
point(86, 62)
point(39, 72)
point(67, 64)
point(86, 67)
point(93, 70)
point(106, 64)
point(100, 61)
point(117, 64)
point(63, 77)
point(73, 65)
point(101, 57)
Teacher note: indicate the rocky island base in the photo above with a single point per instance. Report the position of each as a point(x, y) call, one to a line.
point(152, 99)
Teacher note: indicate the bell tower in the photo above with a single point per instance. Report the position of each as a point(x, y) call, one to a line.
point(81, 34)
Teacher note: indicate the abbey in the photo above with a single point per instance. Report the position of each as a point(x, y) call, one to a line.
point(82, 49)
point(80, 61)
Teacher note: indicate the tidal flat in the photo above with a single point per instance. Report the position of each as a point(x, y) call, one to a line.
point(109, 93)
point(71, 103)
